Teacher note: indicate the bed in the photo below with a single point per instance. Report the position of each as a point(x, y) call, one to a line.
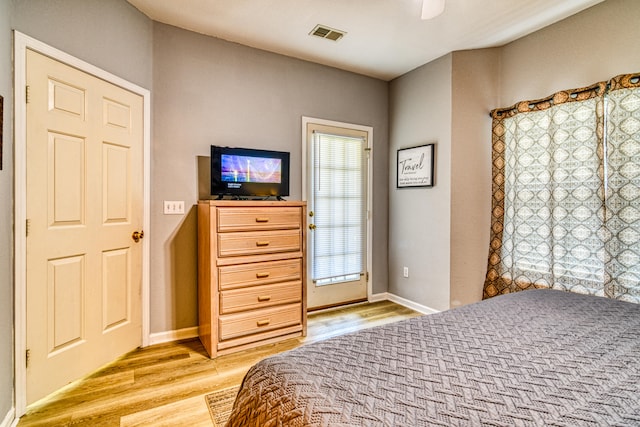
point(538, 357)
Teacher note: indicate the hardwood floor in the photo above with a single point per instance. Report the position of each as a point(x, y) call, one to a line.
point(165, 385)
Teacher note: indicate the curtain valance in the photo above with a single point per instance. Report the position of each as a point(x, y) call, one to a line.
point(564, 96)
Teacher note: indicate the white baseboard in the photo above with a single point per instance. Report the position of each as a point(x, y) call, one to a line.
point(384, 296)
point(9, 419)
point(387, 296)
point(169, 336)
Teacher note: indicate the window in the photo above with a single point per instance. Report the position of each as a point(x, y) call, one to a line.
point(566, 202)
point(339, 206)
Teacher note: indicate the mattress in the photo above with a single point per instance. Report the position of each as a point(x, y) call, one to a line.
point(538, 357)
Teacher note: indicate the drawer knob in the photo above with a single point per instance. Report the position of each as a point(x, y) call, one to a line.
point(262, 219)
point(264, 322)
point(262, 243)
point(262, 275)
point(263, 298)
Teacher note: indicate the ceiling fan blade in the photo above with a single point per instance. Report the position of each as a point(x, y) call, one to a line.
point(432, 8)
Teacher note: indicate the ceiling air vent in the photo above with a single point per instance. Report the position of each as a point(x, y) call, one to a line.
point(327, 33)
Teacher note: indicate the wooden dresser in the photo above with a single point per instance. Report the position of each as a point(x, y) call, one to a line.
point(251, 273)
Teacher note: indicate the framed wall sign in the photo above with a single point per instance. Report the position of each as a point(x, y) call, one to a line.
point(415, 166)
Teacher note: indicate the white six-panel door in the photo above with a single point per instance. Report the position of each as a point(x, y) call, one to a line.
point(84, 164)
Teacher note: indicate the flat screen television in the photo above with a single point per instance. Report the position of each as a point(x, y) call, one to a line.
point(248, 172)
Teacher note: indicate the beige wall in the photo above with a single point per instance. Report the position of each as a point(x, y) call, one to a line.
point(112, 34)
point(209, 91)
point(420, 218)
point(441, 233)
point(474, 93)
point(594, 45)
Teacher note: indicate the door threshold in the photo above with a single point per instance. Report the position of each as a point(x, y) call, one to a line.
point(337, 306)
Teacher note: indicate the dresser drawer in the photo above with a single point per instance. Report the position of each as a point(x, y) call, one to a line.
point(258, 242)
point(236, 219)
point(259, 273)
point(243, 299)
point(256, 321)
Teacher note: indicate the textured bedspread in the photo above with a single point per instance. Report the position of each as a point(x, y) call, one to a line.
point(540, 357)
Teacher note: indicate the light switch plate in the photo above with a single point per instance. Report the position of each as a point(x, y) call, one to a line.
point(174, 207)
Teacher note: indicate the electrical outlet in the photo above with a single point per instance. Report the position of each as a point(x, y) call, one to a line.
point(405, 271)
point(173, 207)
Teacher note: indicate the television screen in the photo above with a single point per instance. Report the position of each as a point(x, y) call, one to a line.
point(249, 172)
point(250, 169)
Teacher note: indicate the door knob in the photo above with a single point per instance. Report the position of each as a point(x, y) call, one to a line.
point(312, 226)
point(137, 235)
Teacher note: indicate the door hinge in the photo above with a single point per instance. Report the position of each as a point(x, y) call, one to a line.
point(27, 356)
point(367, 276)
point(26, 93)
point(27, 225)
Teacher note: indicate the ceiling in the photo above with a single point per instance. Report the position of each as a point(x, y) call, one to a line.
point(384, 38)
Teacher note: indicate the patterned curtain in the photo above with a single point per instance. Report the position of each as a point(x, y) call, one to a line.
point(565, 209)
point(622, 271)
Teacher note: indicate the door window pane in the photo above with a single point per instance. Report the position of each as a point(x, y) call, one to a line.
point(339, 208)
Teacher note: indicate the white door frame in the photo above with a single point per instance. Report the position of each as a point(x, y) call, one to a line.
point(23, 42)
point(369, 131)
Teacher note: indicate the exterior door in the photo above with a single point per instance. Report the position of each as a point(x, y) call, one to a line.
point(337, 192)
point(84, 202)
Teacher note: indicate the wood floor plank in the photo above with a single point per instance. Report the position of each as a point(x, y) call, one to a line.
point(166, 384)
point(188, 412)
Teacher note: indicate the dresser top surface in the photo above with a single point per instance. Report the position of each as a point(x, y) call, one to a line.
point(249, 203)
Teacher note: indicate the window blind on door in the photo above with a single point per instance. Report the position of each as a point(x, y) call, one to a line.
point(339, 208)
